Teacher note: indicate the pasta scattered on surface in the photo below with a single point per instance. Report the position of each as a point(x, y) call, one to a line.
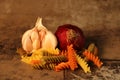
point(83, 64)
point(71, 57)
point(61, 66)
point(50, 66)
point(28, 59)
point(54, 59)
point(59, 60)
point(42, 53)
point(93, 49)
point(93, 58)
point(37, 64)
point(51, 51)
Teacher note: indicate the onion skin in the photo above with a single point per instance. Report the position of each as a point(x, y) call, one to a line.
point(70, 34)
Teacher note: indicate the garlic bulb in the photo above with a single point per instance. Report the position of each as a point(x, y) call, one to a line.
point(38, 37)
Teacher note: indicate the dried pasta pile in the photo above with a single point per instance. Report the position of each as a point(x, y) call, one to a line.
point(57, 60)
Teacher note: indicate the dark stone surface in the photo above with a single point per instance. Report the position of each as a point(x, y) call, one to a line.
point(109, 71)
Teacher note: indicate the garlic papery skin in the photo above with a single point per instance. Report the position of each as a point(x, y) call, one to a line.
point(39, 24)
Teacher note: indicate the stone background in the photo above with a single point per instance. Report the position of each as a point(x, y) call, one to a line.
point(99, 19)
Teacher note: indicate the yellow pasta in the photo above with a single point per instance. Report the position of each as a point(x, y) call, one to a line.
point(43, 53)
point(54, 51)
point(28, 59)
point(83, 64)
point(50, 50)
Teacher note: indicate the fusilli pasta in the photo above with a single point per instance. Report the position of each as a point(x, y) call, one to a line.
point(71, 57)
point(83, 64)
point(61, 66)
point(93, 58)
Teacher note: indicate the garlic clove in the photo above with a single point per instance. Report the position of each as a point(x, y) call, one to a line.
point(34, 35)
point(26, 34)
point(49, 40)
point(36, 44)
point(27, 44)
point(42, 34)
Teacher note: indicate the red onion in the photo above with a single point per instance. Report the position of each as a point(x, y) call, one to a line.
point(70, 34)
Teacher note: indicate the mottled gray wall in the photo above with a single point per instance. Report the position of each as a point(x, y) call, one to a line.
point(99, 19)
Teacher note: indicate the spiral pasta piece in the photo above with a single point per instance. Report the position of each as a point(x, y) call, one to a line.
point(54, 59)
point(33, 62)
point(83, 64)
point(64, 53)
point(71, 57)
point(49, 66)
point(93, 58)
point(61, 66)
point(93, 49)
